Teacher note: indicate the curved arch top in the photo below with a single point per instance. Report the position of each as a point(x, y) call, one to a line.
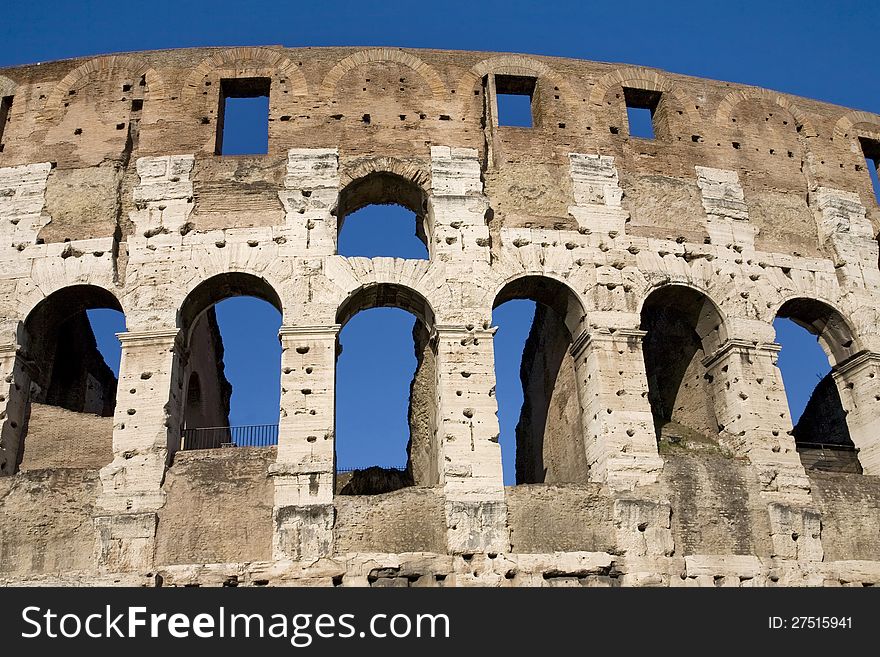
point(734, 98)
point(249, 62)
point(424, 70)
point(7, 86)
point(843, 129)
point(824, 320)
point(638, 77)
point(223, 286)
point(127, 63)
point(702, 312)
point(550, 291)
point(386, 295)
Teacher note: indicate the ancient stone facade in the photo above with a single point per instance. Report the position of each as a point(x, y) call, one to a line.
point(660, 265)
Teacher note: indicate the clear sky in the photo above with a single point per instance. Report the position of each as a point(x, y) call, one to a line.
point(823, 50)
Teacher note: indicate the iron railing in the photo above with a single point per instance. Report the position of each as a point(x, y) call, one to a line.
point(398, 468)
point(829, 457)
point(251, 435)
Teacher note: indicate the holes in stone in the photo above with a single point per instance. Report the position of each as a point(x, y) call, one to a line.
point(243, 117)
point(5, 116)
point(137, 105)
point(736, 145)
point(515, 100)
point(871, 152)
point(78, 131)
point(366, 119)
point(642, 111)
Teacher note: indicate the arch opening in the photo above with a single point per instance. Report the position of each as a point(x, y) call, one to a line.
point(813, 336)
point(72, 361)
point(682, 326)
point(386, 392)
point(539, 407)
point(383, 214)
point(231, 363)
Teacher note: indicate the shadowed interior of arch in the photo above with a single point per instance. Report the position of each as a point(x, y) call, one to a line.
point(539, 408)
point(73, 363)
point(682, 327)
point(812, 336)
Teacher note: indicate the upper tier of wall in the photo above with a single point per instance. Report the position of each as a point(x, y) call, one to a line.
point(91, 117)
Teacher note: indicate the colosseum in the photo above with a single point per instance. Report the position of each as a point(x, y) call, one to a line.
point(655, 445)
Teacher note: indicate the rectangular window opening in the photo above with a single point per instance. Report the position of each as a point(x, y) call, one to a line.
point(641, 110)
point(871, 151)
point(243, 117)
point(514, 95)
point(5, 106)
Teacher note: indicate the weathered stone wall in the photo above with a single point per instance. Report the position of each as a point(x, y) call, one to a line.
point(546, 518)
point(850, 505)
point(748, 205)
point(46, 525)
point(218, 508)
point(58, 438)
point(407, 520)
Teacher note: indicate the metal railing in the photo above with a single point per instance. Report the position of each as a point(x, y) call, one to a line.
point(398, 468)
point(250, 435)
point(829, 457)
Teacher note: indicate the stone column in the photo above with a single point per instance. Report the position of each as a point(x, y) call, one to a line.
point(858, 382)
point(146, 432)
point(753, 417)
point(457, 208)
point(304, 471)
point(619, 433)
point(470, 456)
point(15, 381)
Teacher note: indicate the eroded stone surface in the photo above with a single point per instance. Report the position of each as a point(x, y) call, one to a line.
point(751, 202)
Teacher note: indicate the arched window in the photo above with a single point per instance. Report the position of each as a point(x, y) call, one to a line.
point(683, 326)
point(814, 336)
point(539, 408)
point(383, 215)
point(70, 344)
point(232, 364)
point(385, 392)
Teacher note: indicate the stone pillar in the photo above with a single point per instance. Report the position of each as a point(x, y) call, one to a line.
point(304, 471)
point(470, 456)
point(15, 381)
point(597, 194)
point(753, 417)
point(727, 215)
point(311, 188)
point(619, 433)
point(858, 382)
point(457, 208)
point(146, 432)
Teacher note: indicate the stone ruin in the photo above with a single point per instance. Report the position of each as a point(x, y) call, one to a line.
point(655, 445)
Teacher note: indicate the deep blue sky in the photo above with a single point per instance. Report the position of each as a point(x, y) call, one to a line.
point(823, 50)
